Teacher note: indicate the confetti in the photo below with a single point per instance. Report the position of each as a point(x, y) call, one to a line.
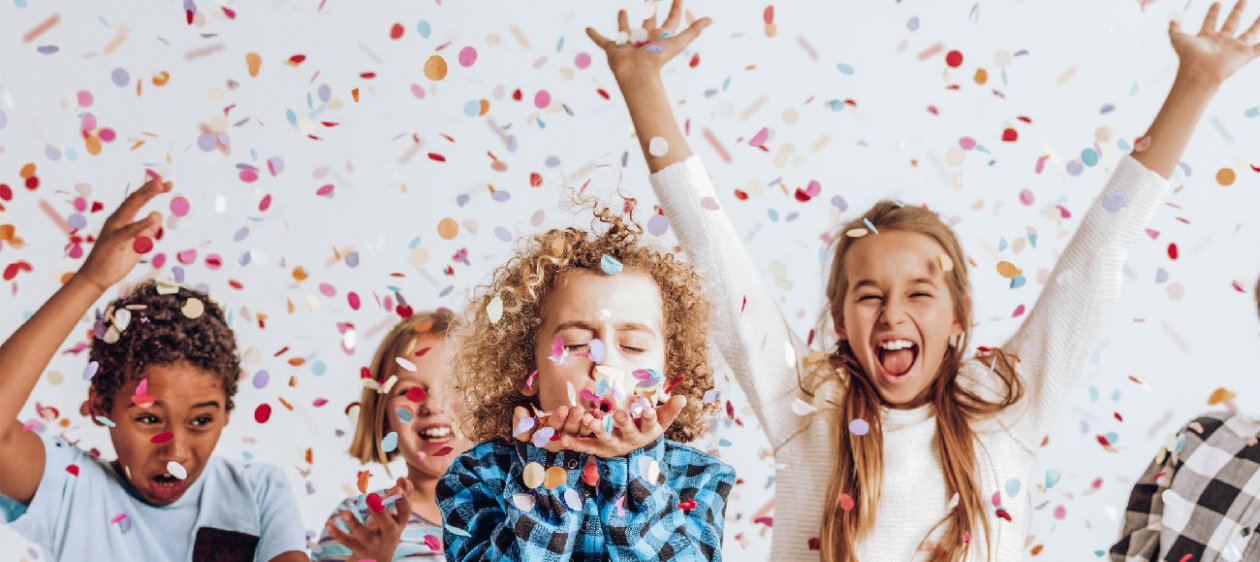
point(193, 308)
point(532, 476)
point(177, 470)
point(859, 427)
point(658, 147)
point(554, 477)
point(609, 265)
point(494, 310)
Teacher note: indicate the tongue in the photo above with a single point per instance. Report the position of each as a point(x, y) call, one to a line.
point(896, 363)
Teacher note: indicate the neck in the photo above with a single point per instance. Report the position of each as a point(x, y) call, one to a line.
point(423, 496)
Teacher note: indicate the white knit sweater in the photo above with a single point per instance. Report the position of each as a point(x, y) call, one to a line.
point(1053, 343)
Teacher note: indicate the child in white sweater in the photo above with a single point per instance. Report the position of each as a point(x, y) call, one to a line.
point(955, 430)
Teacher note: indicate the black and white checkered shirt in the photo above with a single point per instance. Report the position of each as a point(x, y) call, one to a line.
point(1200, 500)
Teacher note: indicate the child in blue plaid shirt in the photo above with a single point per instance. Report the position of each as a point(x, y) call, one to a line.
point(583, 365)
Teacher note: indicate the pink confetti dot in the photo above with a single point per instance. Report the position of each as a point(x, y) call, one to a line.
point(327, 290)
point(85, 98)
point(582, 60)
point(353, 300)
point(467, 56)
point(249, 176)
point(542, 99)
point(179, 206)
point(108, 135)
point(967, 143)
point(1026, 196)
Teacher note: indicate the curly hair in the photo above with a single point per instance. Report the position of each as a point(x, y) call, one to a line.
point(492, 360)
point(160, 333)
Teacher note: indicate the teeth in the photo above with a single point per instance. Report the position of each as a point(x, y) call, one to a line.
point(894, 345)
point(436, 432)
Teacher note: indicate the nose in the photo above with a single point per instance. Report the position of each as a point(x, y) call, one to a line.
point(178, 449)
point(892, 314)
point(431, 405)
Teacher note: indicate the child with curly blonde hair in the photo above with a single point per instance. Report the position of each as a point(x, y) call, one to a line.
point(582, 366)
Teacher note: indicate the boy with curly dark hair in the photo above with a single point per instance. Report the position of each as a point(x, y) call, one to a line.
point(163, 369)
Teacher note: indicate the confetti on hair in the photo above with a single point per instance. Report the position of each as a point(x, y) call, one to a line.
point(609, 265)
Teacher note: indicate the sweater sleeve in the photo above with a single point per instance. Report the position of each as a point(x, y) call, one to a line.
point(1065, 325)
point(748, 327)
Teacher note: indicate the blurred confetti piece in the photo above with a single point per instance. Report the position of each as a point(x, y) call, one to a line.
point(177, 470)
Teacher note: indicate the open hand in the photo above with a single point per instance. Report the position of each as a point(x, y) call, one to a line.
point(378, 537)
point(1214, 55)
point(580, 431)
point(629, 60)
point(115, 252)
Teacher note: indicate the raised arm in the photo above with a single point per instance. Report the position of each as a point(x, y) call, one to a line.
point(1065, 325)
point(26, 353)
point(748, 327)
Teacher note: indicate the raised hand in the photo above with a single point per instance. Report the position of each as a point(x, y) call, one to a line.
point(378, 537)
point(629, 58)
point(115, 252)
point(1213, 55)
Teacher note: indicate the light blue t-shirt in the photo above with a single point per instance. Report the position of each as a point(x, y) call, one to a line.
point(237, 511)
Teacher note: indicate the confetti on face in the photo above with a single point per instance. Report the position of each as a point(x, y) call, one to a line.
point(177, 470)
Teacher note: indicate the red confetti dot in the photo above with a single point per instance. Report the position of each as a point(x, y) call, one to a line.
point(365, 373)
point(741, 195)
point(695, 60)
point(1010, 135)
point(768, 15)
point(954, 59)
point(436, 157)
point(296, 59)
point(1172, 251)
point(416, 394)
point(162, 437)
point(535, 179)
point(73, 469)
point(396, 31)
point(142, 244)
point(12, 269)
point(447, 450)
point(6, 192)
point(687, 504)
point(403, 311)
point(602, 93)
point(374, 503)
point(32, 183)
point(262, 413)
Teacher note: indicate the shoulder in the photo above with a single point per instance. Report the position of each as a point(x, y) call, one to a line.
point(1221, 428)
point(688, 462)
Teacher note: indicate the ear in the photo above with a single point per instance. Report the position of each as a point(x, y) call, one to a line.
point(94, 407)
point(837, 322)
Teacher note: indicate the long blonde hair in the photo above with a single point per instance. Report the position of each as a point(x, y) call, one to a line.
point(860, 465)
point(373, 404)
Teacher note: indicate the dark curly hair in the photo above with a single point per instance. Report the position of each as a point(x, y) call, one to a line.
point(161, 334)
point(492, 359)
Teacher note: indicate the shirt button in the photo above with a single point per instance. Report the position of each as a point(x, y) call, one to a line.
point(572, 464)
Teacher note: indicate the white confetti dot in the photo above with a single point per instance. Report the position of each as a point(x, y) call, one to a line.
point(658, 147)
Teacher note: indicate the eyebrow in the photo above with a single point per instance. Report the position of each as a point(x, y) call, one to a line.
point(584, 325)
point(210, 404)
point(916, 281)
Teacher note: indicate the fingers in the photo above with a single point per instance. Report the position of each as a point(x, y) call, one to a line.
point(519, 414)
point(573, 423)
point(126, 212)
point(648, 425)
point(1231, 22)
point(624, 425)
point(352, 523)
point(1174, 27)
point(649, 21)
point(594, 427)
point(669, 411)
point(1252, 32)
point(1209, 21)
point(557, 418)
point(402, 508)
point(623, 22)
point(129, 232)
point(600, 41)
point(675, 15)
point(346, 539)
point(691, 33)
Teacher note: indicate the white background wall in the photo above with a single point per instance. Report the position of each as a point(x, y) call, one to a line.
point(1065, 60)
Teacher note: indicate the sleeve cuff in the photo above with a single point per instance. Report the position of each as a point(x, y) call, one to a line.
point(646, 463)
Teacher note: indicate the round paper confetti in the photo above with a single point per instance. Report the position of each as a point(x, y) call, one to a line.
point(193, 308)
point(447, 228)
point(532, 475)
point(658, 147)
point(389, 443)
point(435, 68)
point(262, 413)
point(554, 478)
point(177, 470)
point(524, 502)
point(467, 56)
point(1225, 177)
point(859, 427)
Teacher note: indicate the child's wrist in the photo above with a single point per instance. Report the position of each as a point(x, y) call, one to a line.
point(637, 75)
point(86, 282)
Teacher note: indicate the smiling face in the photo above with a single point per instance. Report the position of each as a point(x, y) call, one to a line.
point(427, 437)
point(898, 313)
point(622, 311)
point(189, 404)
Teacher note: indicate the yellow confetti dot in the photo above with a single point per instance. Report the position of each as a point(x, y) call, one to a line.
point(945, 263)
point(193, 309)
point(1225, 177)
point(857, 232)
point(1008, 270)
point(27, 171)
point(93, 144)
point(982, 76)
point(435, 68)
point(532, 476)
point(254, 62)
point(419, 257)
point(1220, 396)
point(555, 478)
point(448, 228)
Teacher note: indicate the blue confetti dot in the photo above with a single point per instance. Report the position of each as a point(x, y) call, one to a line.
point(502, 234)
point(836, 105)
point(318, 368)
point(1012, 487)
point(610, 265)
point(404, 415)
point(423, 29)
point(390, 443)
point(845, 69)
point(472, 108)
point(1089, 156)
